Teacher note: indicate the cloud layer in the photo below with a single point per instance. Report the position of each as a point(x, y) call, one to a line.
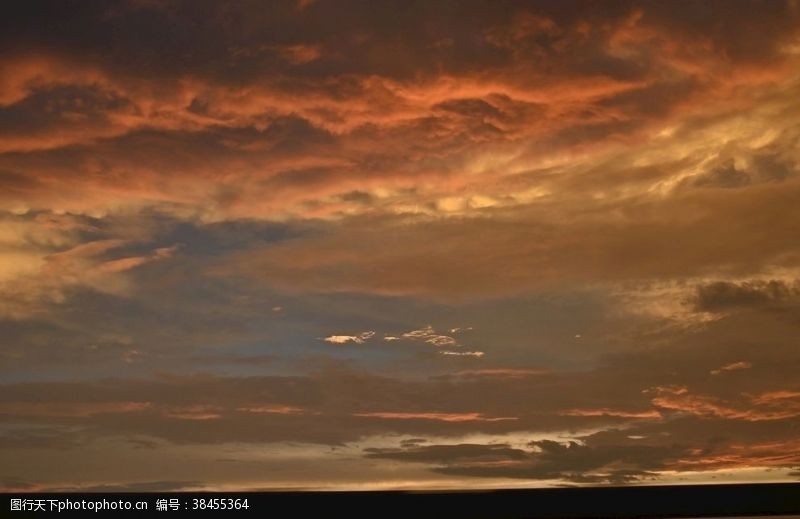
point(462, 243)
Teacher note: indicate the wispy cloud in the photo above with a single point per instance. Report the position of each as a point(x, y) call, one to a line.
point(429, 335)
point(733, 366)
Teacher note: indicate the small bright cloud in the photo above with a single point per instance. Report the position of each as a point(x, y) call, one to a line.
point(344, 339)
point(429, 335)
point(734, 366)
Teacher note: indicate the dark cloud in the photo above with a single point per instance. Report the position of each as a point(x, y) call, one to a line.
point(722, 295)
point(614, 456)
point(726, 176)
point(449, 453)
point(762, 168)
point(546, 460)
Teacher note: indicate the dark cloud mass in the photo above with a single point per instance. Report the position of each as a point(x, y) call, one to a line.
point(326, 244)
point(548, 460)
point(722, 295)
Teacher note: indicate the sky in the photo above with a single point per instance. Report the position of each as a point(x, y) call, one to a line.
point(324, 244)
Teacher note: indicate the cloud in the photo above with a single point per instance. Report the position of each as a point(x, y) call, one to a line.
point(547, 460)
point(448, 453)
point(18, 485)
point(733, 366)
point(46, 261)
point(595, 247)
point(278, 409)
point(685, 420)
point(444, 417)
point(679, 399)
point(612, 412)
point(429, 335)
point(501, 373)
point(255, 360)
point(723, 296)
point(143, 486)
point(344, 339)
point(299, 122)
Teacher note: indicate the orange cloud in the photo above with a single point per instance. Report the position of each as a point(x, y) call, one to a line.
point(442, 417)
point(757, 409)
point(276, 409)
point(425, 133)
point(193, 412)
point(612, 412)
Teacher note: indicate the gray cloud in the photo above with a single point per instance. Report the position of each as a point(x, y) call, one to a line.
point(722, 295)
point(547, 460)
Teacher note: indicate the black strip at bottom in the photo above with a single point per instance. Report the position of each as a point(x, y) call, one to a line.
point(597, 502)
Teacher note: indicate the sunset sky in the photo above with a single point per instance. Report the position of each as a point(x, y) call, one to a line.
point(330, 244)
